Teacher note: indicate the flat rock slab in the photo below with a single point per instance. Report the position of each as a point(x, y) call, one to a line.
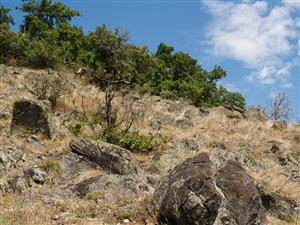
point(109, 157)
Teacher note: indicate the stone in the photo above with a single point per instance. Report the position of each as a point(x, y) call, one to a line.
point(109, 157)
point(194, 194)
point(31, 117)
point(36, 174)
point(10, 157)
point(183, 123)
point(256, 114)
point(228, 112)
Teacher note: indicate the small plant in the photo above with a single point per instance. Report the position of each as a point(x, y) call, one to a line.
point(51, 165)
point(136, 142)
point(126, 214)
point(94, 195)
point(76, 129)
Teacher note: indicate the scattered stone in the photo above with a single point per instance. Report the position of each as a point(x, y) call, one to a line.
point(111, 158)
point(32, 116)
point(192, 194)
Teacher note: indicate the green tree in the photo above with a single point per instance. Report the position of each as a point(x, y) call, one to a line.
point(5, 18)
point(45, 14)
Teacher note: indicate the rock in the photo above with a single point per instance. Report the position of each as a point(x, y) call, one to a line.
point(111, 158)
point(9, 158)
point(156, 124)
point(256, 114)
point(228, 112)
point(189, 143)
point(31, 117)
point(282, 207)
point(183, 123)
point(4, 115)
point(36, 174)
point(18, 184)
point(194, 194)
point(111, 188)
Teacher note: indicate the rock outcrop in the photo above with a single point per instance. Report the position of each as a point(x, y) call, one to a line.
point(109, 157)
point(32, 116)
point(196, 193)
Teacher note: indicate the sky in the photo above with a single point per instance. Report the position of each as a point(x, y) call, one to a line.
point(256, 42)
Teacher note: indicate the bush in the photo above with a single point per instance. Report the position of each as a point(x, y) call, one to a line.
point(48, 86)
point(51, 165)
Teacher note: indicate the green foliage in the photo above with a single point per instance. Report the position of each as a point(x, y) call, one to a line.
point(76, 129)
point(134, 141)
point(47, 39)
point(45, 14)
point(5, 18)
point(51, 165)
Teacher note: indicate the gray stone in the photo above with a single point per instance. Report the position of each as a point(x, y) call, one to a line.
point(111, 158)
point(256, 114)
point(195, 194)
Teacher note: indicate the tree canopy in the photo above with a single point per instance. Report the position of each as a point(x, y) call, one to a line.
point(47, 39)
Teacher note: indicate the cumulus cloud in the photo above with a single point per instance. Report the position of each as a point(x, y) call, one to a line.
point(264, 37)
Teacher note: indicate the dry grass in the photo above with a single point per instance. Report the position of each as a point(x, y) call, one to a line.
point(209, 132)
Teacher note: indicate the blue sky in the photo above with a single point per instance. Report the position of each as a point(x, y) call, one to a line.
point(257, 42)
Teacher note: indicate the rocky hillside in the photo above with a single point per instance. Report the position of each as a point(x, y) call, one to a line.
point(211, 167)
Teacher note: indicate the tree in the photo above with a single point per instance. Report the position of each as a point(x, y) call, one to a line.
point(280, 107)
point(45, 14)
point(5, 18)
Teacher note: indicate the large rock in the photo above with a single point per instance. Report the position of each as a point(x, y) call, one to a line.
point(229, 112)
point(112, 187)
point(256, 114)
point(111, 158)
point(195, 193)
point(32, 116)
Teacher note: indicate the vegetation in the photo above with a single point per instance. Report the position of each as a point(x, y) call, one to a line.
point(47, 39)
point(48, 86)
point(280, 107)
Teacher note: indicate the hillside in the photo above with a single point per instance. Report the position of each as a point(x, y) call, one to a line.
point(65, 179)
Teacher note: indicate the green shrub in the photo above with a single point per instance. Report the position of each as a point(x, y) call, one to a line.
point(51, 165)
point(76, 129)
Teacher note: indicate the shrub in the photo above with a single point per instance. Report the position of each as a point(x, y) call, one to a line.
point(51, 165)
point(140, 143)
point(48, 86)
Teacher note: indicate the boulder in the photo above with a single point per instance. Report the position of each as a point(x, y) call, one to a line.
point(197, 193)
point(109, 157)
point(111, 188)
point(9, 158)
point(256, 114)
point(32, 116)
point(226, 111)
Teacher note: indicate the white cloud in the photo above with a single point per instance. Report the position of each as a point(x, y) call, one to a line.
point(264, 37)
